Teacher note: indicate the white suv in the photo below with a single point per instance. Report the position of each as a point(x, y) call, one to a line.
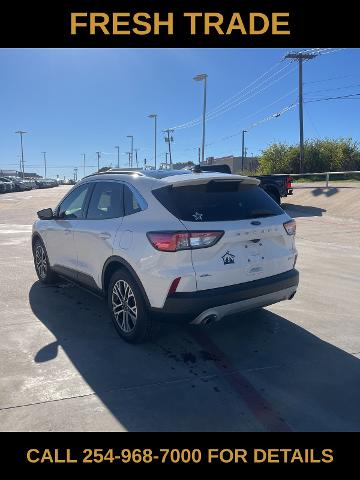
point(195, 246)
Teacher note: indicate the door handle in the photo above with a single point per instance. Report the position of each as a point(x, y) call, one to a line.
point(105, 235)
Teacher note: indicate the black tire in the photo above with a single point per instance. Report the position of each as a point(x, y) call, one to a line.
point(133, 323)
point(274, 195)
point(42, 265)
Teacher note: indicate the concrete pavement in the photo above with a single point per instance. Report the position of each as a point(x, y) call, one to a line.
point(293, 366)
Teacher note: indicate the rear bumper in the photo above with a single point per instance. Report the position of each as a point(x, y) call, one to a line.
point(227, 300)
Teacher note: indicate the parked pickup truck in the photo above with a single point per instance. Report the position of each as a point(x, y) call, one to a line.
point(277, 186)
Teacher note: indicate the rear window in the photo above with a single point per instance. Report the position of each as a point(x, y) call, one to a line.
point(217, 201)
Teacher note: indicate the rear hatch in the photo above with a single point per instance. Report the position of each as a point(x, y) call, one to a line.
point(254, 243)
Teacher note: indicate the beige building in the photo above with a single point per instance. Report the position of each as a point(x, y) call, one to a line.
point(250, 163)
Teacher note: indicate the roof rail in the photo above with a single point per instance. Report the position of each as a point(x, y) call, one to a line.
point(117, 171)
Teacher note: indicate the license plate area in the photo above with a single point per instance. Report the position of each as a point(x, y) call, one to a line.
point(254, 258)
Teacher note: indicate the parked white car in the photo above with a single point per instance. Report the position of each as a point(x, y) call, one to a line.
point(172, 244)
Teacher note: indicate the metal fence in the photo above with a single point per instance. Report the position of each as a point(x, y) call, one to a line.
point(324, 174)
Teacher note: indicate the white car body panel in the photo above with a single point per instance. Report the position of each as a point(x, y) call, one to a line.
point(58, 236)
point(255, 251)
point(156, 270)
point(94, 242)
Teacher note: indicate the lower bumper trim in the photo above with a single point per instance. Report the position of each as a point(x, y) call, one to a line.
point(195, 303)
point(217, 313)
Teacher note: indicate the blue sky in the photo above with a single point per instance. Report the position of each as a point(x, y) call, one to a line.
point(74, 101)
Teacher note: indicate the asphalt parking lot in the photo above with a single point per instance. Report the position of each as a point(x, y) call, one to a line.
point(293, 366)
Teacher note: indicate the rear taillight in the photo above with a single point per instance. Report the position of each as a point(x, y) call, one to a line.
point(289, 183)
point(290, 227)
point(175, 241)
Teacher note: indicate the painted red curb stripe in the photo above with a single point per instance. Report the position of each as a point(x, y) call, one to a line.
point(256, 403)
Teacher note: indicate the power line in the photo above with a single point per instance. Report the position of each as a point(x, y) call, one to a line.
point(353, 96)
point(331, 89)
point(332, 78)
point(268, 118)
point(238, 96)
point(251, 94)
point(233, 101)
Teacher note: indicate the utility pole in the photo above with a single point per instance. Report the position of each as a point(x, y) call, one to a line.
point(169, 139)
point(129, 153)
point(118, 156)
point(166, 155)
point(98, 159)
point(132, 149)
point(84, 163)
point(21, 133)
point(199, 149)
point(44, 154)
point(199, 78)
point(243, 150)
point(300, 57)
point(136, 157)
point(154, 116)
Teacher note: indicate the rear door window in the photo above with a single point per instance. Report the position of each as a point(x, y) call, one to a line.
point(217, 201)
point(106, 201)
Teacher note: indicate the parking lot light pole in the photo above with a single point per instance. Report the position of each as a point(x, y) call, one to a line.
point(98, 159)
point(200, 78)
point(44, 155)
point(84, 162)
point(154, 116)
point(132, 149)
point(243, 150)
point(118, 156)
point(21, 133)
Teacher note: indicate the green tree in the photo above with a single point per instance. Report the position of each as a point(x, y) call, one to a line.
point(320, 155)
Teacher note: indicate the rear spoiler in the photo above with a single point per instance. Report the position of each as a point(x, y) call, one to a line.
point(199, 179)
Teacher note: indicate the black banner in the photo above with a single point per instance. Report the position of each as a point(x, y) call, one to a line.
point(185, 23)
point(321, 453)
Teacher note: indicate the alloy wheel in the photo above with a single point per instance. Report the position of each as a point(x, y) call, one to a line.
point(124, 306)
point(41, 261)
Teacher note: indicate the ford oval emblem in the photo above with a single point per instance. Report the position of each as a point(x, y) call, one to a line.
point(255, 222)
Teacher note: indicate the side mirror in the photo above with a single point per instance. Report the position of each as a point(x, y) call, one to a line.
point(47, 353)
point(45, 214)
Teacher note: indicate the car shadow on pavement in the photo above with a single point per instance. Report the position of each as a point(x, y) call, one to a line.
point(178, 383)
point(303, 210)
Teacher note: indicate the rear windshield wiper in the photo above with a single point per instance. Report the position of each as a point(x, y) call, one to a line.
point(261, 213)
